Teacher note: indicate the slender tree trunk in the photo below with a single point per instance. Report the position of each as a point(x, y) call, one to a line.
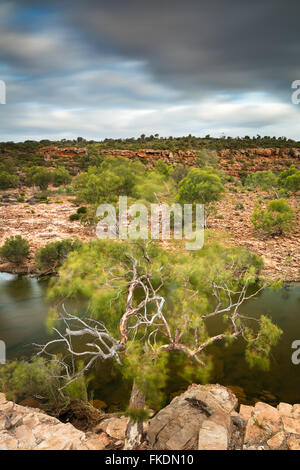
point(135, 429)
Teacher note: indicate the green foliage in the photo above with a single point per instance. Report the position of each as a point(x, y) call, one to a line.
point(282, 178)
point(162, 167)
point(42, 178)
point(179, 172)
point(60, 176)
point(276, 219)
point(85, 274)
point(258, 349)
point(292, 182)
point(82, 214)
point(264, 180)
point(78, 389)
point(200, 186)
point(93, 158)
point(153, 372)
point(8, 181)
point(74, 217)
point(207, 158)
point(82, 210)
point(113, 178)
point(137, 415)
point(51, 256)
point(21, 379)
point(151, 186)
point(38, 176)
point(15, 249)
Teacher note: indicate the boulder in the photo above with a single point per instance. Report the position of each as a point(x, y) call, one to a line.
point(23, 428)
point(115, 427)
point(197, 419)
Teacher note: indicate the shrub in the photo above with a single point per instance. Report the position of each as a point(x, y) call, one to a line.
point(276, 219)
point(53, 254)
point(21, 379)
point(42, 178)
point(264, 180)
point(60, 176)
point(8, 181)
point(106, 183)
point(162, 167)
point(292, 182)
point(38, 176)
point(179, 173)
point(74, 217)
point(207, 158)
point(82, 210)
point(284, 175)
point(200, 186)
point(15, 249)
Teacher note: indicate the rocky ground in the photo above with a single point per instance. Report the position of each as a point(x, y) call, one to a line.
point(281, 254)
point(39, 224)
point(202, 418)
point(43, 223)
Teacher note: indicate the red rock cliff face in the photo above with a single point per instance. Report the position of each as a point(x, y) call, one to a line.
point(234, 162)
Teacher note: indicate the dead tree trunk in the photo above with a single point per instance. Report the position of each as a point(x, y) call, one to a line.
point(135, 430)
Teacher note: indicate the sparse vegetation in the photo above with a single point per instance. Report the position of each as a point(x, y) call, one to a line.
point(15, 249)
point(276, 219)
point(51, 256)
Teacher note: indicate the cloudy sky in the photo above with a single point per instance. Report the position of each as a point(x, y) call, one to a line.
point(120, 68)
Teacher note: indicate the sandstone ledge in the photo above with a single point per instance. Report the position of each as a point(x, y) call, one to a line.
point(202, 418)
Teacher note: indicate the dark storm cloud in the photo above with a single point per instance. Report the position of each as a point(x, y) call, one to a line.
point(198, 45)
point(216, 66)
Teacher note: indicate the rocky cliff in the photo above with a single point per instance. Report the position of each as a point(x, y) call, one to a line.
point(232, 161)
point(203, 418)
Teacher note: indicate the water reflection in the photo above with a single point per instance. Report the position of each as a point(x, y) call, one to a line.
point(23, 311)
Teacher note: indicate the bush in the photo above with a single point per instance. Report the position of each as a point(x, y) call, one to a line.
point(73, 217)
point(276, 219)
point(51, 256)
point(200, 186)
point(15, 249)
point(21, 379)
point(8, 181)
point(264, 180)
point(292, 182)
point(116, 177)
point(284, 175)
point(42, 178)
point(60, 176)
point(207, 158)
point(162, 167)
point(38, 176)
point(179, 173)
point(82, 210)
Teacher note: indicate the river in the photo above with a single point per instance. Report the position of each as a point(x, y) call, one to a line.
point(23, 311)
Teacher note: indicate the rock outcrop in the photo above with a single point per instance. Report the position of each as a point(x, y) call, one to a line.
point(23, 428)
point(202, 418)
point(233, 161)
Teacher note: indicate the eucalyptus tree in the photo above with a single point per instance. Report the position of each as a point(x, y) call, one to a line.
point(147, 303)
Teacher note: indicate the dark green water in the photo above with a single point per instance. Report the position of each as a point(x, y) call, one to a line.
point(23, 311)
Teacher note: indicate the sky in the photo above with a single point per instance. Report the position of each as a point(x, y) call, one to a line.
point(122, 68)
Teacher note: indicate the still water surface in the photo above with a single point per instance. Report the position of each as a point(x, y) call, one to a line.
point(23, 311)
